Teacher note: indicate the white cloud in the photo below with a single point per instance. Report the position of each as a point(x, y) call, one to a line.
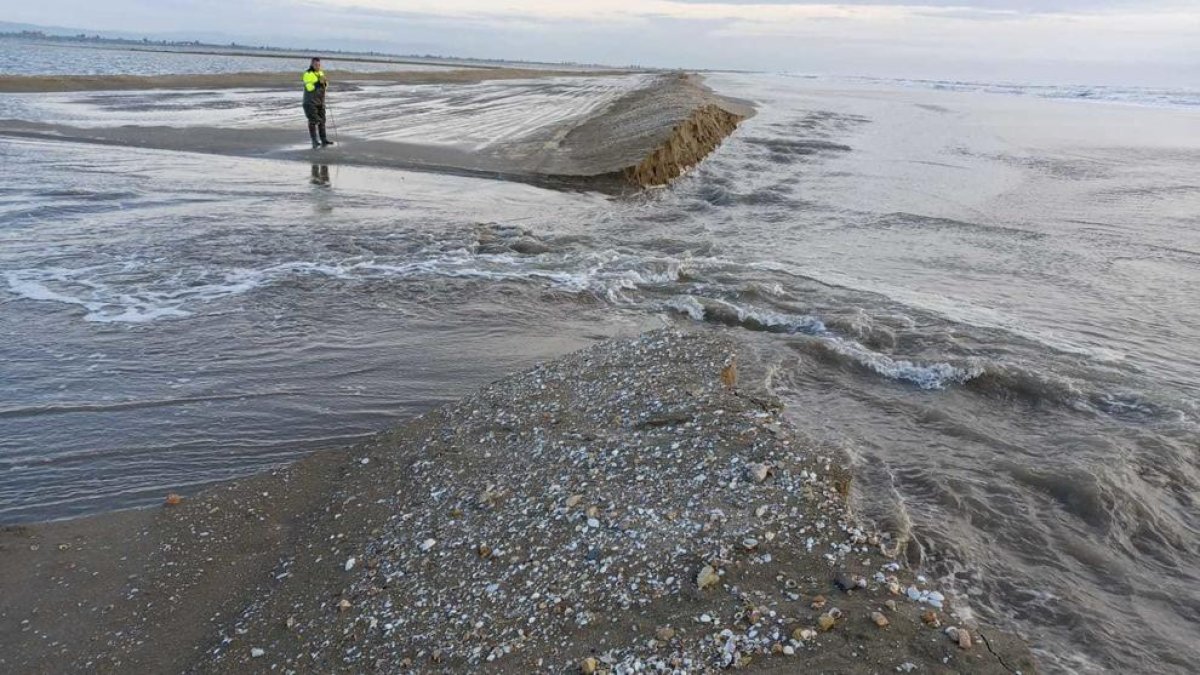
point(1142, 41)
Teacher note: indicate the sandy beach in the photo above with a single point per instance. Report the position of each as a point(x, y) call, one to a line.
point(961, 315)
point(634, 505)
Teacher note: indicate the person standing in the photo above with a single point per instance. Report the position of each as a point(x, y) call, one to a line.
point(315, 85)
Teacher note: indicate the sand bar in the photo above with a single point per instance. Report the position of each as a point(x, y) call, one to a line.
point(649, 136)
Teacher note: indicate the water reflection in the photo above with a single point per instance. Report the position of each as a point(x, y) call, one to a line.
point(320, 175)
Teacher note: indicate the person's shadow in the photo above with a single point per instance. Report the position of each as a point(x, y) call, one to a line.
point(320, 175)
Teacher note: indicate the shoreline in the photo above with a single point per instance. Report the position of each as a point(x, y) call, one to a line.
point(600, 506)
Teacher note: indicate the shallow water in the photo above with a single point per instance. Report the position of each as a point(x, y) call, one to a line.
point(987, 302)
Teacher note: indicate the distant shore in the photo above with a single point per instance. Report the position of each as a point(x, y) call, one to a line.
point(634, 504)
point(12, 84)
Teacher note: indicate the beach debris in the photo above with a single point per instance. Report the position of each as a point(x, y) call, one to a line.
point(960, 636)
point(818, 602)
point(729, 373)
point(802, 634)
point(880, 620)
point(707, 577)
point(257, 652)
point(930, 618)
point(826, 621)
point(173, 500)
point(484, 551)
point(589, 666)
point(344, 605)
point(428, 545)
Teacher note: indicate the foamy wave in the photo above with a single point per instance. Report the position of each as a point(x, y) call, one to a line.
point(952, 310)
point(107, 297)
point(923, 375)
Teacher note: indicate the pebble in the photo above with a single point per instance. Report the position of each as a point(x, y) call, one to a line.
point(344, 605)
point(707, 577)
point(819, 602)
point(758, 472)
point(826, 621)
point(930, 618)
point(801, 634)
point(573, 501)
point(789, 650)
point(664, 634)
point(351, 563)
point(428, 544)
point(589, 666)
point(880, 620)
point(257, 652)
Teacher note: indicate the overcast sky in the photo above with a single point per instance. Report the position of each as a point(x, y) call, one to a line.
point(1148, 42)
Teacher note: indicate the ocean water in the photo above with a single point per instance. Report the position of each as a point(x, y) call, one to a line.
point(1174, 97)
point(30, 57)
point(986, 301)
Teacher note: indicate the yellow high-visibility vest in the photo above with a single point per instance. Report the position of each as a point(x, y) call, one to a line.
point(311, 78)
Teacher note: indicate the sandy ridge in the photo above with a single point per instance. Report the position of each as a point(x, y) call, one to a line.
point(631, 504)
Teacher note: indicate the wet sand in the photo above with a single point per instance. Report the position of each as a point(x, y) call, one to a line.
point(650, 136)
point(636, 503)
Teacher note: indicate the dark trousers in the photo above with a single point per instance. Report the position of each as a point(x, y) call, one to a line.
point(316, 122)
